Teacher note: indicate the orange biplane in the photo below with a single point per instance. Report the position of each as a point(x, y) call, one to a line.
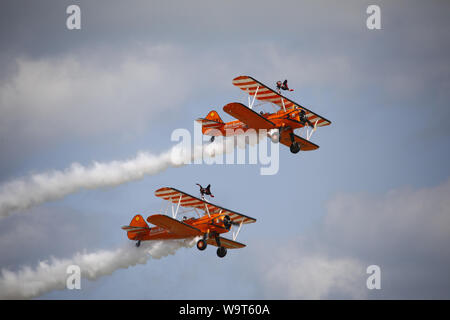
point(213, 221)
point(280, 125)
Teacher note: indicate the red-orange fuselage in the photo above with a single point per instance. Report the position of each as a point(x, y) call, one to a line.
point(212, 225)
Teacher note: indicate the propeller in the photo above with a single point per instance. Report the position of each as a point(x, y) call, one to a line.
point(227, 222)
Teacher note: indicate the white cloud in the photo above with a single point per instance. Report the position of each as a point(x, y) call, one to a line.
point(402, 219)
point(87, 94)
point(96, 92)
point(308, 275)
point(404, 231)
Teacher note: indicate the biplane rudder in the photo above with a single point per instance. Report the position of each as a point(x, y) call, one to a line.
point(137, 222)
point(212, 124)
point(214, 116)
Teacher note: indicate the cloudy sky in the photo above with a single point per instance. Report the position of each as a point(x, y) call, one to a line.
point(375, 193)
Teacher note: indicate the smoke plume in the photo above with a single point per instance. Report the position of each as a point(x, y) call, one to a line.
point(52, 275)
point(36, 189)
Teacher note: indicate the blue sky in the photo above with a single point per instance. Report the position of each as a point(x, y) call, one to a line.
point(137, 71)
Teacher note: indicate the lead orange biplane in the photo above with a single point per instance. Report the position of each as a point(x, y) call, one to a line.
point(280, 125)
point(214, 221)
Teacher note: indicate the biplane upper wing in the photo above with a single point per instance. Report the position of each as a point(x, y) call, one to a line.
point(174, 225)
point(227, 243)
point(305, 145)
point(264, 93)
point(186, 200)
point(248, 116)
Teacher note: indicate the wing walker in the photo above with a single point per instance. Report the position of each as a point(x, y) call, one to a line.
point(210, 222)
point(280, 125)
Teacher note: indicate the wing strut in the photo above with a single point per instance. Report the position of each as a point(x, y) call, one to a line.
point(235, 234)
point(175, 212)
point(178, 206)
point(207, 210)
point(254, 98)
point(307, 131)
point(310, 133)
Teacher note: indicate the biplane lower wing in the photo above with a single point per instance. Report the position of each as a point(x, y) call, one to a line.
point(305, 145)
point(227, 243)
point(174, 226)
point(248, 116)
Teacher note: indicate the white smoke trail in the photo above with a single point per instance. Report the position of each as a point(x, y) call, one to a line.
point(24, 193)
point(42, 187)
point(48, 276)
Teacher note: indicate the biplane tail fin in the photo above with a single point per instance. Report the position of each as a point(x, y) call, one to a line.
point(137, 227)
point(212, 121)
point(214, 116)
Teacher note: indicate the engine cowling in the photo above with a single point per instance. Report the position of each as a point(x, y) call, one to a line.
point(274, 135)
point(224, 221)
point(227, 222)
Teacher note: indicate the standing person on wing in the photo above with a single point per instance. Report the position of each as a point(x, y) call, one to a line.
point(283, 86)
point(204, 191)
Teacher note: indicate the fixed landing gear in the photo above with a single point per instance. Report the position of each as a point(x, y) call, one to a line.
point(138, 243)
point(212, 139)
point(221, 252)
point(201, 244)
point(295, 146)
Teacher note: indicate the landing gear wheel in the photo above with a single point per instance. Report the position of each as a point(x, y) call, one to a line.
point(201, 244)
point(212, 139)
point(138, 243)
point(221, 252)
point(295, 147)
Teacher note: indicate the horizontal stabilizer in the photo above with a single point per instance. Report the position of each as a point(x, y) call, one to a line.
point(208, 122)
point(208, 126)
point(137, 228)
point(131, 228)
